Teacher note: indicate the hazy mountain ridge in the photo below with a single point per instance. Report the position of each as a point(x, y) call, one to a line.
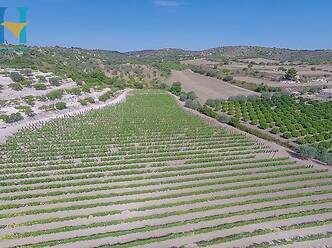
point(234, 52)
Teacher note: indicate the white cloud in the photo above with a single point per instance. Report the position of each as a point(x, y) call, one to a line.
point(166, 3)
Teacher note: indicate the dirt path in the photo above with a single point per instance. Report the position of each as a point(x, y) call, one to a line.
point(207, 87)
point(47, 116)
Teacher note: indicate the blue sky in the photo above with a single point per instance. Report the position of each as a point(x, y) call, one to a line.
point(125, 25)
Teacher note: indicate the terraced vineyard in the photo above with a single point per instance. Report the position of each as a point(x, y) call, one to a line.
point(146, 173)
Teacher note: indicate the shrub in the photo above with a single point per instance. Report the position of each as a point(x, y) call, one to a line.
point(90, 99)
point(15, 86)
point(27, 72)
point(287, 135)
point(254, 122)
point(86, 101)
point(104, 97)
point(138, 85)
point(47, 107)
point(309, 138)
point(54, 81)
point(183, 96)
point(301, 140)
point(282, 68)
point(213, 103)
point(227, 78)
point(319, 137)
point(26, 109)
point(291, 74)
point(252, 98)
point(40, 86)
point(225, 118)
point(296, 133)
point(29, 100)
point(12, 117)
point(192, 95)
point(176, 88)
point(26, 83)
point(267, 95)
point(307, 151)
point(41, 78)
point(275, 130)
point(16, 77)
point(208, 111)
point(283, 129)
point(263, 125)
point(164, 86)
point(238, 98)
point(83, 102)
point(192, 104)
point(74, 91)
point(55, 94)
point(325, 157)
point(60, 105)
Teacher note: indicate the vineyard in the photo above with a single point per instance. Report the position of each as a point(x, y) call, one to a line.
point(146, 173)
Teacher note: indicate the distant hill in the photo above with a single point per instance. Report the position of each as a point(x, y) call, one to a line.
point(236, 52)
point(281, 54)
point(68, 61)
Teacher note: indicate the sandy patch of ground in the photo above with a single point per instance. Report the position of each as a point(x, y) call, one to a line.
point(207, 87)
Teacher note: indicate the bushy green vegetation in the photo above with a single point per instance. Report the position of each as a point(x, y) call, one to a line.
point(176, 88)
point(86, 101)
point(16, 77)
point(55, 94)
point(104, 97)
point(74, 91)
point(55, 106)
point(40, 86)
point(15, 86)
point(321, 151)
point(29, 100)
point(291, 74)
point(54, 81)
point(26, 109)
point(11, 118)
point(60, 105)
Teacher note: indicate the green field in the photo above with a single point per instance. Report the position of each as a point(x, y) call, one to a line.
point(148, 173)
